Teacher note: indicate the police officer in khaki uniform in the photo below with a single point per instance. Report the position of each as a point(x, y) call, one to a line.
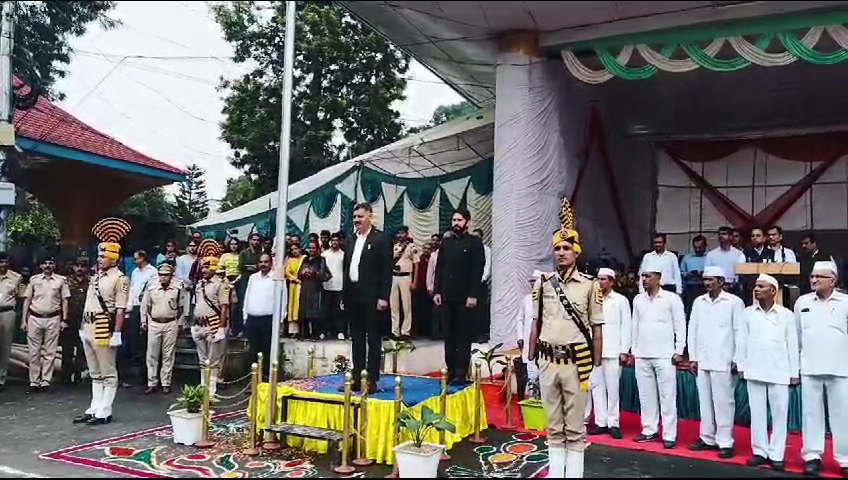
point(569, 306)
point(405, 256)
point(161, 313)
point(10, 282)
point(45, 314)
point(103, 320)
point(211, 312)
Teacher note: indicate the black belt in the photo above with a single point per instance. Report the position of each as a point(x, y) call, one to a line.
point(35, 314)
point(6, 309)
point(557, 353)
point(402, 274)
point(162, 320)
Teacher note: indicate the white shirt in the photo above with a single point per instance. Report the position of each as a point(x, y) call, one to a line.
point(784, 255)
point(431, 271)
point(713, 327)
point(658, 326)
point(525, 324)
point(183, 269)
point(617, 328)
point(259, 295)
point(487, 267)
point(823, 334)
point(335, 263)
point(358, 246)
point(767, 347)
point(726, 260)
point(139, 278)
point(669, 266)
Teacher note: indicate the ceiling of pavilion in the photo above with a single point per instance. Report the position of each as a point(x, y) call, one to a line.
point(458, 40)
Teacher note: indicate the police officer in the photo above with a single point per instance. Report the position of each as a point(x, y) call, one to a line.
point(103, 319)
point(211, 301)
point(568, 329)
point(161, 312)
point(45, 314)
point(10, 282)
point(405, 257)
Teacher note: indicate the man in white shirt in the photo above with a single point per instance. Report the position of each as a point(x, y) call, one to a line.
point(183, 273)
point(258, 310)
point(334, 257)
point(822, 320)
point(134, 348)
point(523, 327)
point(605, 379)
point(715, 319)
point(768, 360)
point(781, 253)
point(725, 256)
point(666, 262)
point(658, 340)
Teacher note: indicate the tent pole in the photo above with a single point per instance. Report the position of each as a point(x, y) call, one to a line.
point(282, 203)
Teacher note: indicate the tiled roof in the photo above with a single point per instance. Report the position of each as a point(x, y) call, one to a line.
point(46, 122)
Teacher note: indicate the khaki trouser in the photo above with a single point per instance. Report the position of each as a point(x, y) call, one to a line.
point(208, 352)
point(564, 405)
point(7, 333)
point(401, 299)
point(161, 337)
point(43, 341)
point(101, 360)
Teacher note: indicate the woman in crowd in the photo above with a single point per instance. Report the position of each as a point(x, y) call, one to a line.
point(293, 264)
point(229, 264)
point(313, 273)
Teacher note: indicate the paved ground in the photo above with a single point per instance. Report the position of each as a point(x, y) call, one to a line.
point(37, 424)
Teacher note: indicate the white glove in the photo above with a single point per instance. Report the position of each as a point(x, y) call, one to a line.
point(221, 335)
point(115, 341)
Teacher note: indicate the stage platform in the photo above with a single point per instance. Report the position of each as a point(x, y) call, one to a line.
point(428, 356)
point(417, 392)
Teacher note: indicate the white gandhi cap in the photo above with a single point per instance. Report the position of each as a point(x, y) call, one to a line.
point(606, 272)
point(768, 279)
point(825, 267)
point(713, 272)
point(652, 266)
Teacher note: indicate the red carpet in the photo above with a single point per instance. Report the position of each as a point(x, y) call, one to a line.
point(687, 432)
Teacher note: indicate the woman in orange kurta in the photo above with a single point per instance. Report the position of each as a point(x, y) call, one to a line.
point(293, 264)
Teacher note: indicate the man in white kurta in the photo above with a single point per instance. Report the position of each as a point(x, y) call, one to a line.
point(769, 363)
point(604, 382)
point(658, 340)
point(524, 326)
point(822, 320)
point(713, 324)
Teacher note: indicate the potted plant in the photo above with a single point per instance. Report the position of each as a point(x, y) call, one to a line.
point(394, 348)
point(416, 459)
point(186, 415)
point(492, 358)
point(532, 411)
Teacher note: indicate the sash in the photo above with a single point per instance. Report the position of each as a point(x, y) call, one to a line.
point(103, 321)
point(584, 353)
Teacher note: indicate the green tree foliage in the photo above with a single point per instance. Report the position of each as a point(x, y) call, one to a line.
point(191, 204)
point(150, 206)
point(240, 190)
point(445, 113)
point(346, 79)
point(32, 224)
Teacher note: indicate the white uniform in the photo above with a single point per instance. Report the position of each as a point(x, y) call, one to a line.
point(605, 379)
point(768, 358)
point(658, 333)
point(524, 327)
point(823, 339)
point(713, 327)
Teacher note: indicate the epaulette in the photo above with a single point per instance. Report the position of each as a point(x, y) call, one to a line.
point(586, 276)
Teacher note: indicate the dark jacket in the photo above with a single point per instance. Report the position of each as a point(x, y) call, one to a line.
point(459, 269)
point(375, 267)
point(751, 255)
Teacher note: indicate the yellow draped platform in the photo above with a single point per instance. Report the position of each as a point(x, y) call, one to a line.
point(380, 428)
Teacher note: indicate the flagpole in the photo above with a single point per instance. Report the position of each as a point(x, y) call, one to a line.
point(282, 204)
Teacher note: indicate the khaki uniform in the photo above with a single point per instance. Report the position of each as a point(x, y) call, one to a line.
point(161, 308)
point(401, 295)
point(114, 288)
point(45, 295)
point(207, 323)
point(564, 385)
point(9, 289)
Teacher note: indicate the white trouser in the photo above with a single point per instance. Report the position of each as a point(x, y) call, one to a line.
point(718, 407)
point(605, 398)
point(777, 398)
point(813, 426)
point(653, 375)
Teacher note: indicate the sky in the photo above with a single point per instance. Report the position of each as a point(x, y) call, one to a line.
point(170, 108)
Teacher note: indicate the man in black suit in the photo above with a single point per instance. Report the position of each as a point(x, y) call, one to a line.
point(367, 284)
point(458, 286)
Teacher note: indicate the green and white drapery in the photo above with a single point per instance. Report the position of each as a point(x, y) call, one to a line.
point(695, 57)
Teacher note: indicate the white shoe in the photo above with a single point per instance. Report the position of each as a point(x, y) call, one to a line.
point(341, 336)
point(556, 462)
point(573, 464)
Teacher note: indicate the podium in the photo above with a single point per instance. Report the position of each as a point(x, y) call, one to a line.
point(784, 273)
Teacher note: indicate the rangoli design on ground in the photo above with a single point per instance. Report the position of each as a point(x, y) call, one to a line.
point(524, 456)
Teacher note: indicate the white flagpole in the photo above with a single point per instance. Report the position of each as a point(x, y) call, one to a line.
point(282, 200)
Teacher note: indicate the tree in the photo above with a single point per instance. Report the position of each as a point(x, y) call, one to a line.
point(444, 114)
point(32, 224)
point(240, 190)
point(42, 34)
point(191, 204)
point(151, 206)
point(346, 79)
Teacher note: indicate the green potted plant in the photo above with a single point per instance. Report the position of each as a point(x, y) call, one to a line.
point(493, 358)
point(415, 458)
point(531, 409)
point(394, 348)
point(187, 415)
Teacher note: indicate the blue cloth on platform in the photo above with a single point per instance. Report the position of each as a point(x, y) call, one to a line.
point(415, 389)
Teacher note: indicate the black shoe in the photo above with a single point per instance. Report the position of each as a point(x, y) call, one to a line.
point(701, 446)
point(150, 390)
point(99, 421)
point(596, 430)
point(726, 453)
point(615, 433)
point(166, 390)
point(642, 438)
point(669, 444)
point(778, 466)
point(812, 468)
point(757, 461)
point(84, 418)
